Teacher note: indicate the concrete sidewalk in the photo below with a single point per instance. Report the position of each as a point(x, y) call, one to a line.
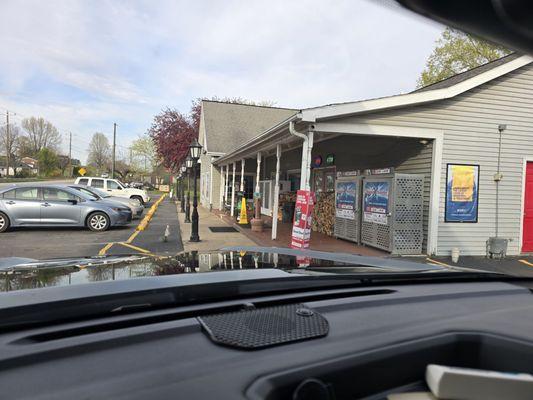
point(210, 240)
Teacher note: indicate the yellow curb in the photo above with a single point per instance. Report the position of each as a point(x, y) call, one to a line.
point(526, 263)
point(438, 262)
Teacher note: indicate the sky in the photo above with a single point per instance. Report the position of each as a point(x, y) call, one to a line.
point(84, 65)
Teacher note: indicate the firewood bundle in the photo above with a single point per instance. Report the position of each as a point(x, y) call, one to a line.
point(324, 213)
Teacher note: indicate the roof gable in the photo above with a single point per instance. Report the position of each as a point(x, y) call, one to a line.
point(228, 125)
point(446, 89)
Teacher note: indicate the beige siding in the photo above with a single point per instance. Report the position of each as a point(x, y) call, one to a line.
point(470, 125)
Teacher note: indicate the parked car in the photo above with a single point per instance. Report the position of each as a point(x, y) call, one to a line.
point(134, 204)
point(114, 187)
point(55, 205)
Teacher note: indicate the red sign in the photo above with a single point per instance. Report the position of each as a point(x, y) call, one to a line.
point(303, 216)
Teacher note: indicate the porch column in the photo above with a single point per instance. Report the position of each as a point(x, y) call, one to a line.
point(305, 174)
point(242, 175)
point(258, 172)
point(211, 185)
point(233, 191)
point(222, 185)
point(226, 186)
point(276, 195)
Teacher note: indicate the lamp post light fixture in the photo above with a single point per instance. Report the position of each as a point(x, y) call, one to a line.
point(188, 165)
point(183, 170)
point(195, 149)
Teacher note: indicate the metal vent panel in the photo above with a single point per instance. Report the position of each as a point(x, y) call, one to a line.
point(263, 327)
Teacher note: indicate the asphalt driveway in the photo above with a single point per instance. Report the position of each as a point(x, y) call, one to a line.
point(46, 243)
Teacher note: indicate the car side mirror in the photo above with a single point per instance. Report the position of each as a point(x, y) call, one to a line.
point(73, 201)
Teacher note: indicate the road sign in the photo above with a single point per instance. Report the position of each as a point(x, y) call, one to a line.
point(82, 171)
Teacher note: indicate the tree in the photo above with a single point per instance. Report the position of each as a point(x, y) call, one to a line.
point(24, 147)
point(456, 52)
point(47, 161)
point(41, 134)
point(172, 132)
point(8, 143)
point(143, 154)
point(99, 152)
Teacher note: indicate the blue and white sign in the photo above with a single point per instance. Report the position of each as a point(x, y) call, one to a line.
point(376, 197)
point(462, 199)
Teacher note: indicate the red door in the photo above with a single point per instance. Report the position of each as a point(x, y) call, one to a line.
point(527, 241)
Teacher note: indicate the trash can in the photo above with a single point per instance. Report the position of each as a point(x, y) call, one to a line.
point(287, 212)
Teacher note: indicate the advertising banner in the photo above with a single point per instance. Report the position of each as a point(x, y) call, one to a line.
point(301, 227)
point(461, 193)
point(376, 202)
point(345, 199)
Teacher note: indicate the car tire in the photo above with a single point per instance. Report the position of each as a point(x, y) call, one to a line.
point(138, 198)
point(4, 222)
point(98, 222)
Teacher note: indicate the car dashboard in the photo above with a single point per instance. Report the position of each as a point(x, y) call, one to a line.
point(378, 341)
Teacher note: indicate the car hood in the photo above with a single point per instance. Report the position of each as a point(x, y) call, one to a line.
point(22, 273)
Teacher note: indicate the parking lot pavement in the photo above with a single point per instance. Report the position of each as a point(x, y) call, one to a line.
point(515, 265)
point(46, 243)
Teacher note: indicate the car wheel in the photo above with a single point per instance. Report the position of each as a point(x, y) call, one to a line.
point(138, 198)
point(4, 222)
point(98, 222)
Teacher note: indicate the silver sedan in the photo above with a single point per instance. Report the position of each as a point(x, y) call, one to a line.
point(135, 205)
point(55, 205)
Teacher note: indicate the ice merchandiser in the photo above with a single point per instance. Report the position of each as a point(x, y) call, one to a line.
point(392, 212)
point(347, 208)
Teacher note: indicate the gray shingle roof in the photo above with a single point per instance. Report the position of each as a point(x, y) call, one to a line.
point(455, 79)
point(229, 125)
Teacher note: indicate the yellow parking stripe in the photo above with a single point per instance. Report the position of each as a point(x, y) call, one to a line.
point(135, 248)
point(133, 236)
point(526, 263)
point(438, 262)
point(105, 248)
point(141, 227)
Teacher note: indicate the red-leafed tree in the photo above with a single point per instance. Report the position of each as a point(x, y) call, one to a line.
point(172, 132)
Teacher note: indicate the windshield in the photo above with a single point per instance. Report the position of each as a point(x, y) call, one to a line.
point(351, 128)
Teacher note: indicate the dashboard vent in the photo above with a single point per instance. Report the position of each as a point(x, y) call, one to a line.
point(263, 327)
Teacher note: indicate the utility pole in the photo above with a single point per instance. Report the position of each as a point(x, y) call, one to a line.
point(114, 147)
point(8, 147)
point(70, 155)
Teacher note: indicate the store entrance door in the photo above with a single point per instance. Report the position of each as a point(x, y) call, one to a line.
point(527, 236)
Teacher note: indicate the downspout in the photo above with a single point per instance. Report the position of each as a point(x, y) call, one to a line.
point(307, 147)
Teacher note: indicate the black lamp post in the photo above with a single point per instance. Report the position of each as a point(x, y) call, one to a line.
point(188, 165)
point(195, 149)
point(183, 171)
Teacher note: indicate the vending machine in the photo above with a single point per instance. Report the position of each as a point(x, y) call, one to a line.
point(392, 212)
point(347, 208)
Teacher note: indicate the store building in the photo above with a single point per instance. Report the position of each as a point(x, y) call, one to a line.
point(466, 142)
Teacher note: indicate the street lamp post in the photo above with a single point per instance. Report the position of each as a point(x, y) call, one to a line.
point(183, 171)
point(188, 164)
point(195, 149)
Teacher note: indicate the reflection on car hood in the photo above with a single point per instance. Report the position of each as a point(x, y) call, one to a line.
point(20, 273)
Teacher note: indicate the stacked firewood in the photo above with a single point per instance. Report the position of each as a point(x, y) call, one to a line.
point(324, 213)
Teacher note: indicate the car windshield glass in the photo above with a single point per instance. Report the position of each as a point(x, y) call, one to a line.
point(336, 128)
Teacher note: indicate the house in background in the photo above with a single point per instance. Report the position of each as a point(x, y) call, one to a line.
point(27, 165)
point(223, 127)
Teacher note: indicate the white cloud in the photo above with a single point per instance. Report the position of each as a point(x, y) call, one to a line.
point(84, 65)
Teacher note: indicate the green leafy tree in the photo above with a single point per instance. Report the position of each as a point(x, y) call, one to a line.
point(143, 154)
point(48, 161)
point(456, 52)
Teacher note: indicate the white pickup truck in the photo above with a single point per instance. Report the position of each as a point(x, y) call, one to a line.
point(114, 187)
